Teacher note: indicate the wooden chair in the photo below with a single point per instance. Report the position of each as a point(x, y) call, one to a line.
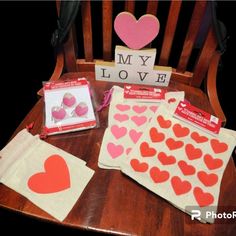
point(102, 208)
point(194, 70)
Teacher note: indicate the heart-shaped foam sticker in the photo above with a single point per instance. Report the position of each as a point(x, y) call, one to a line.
point(136, 34)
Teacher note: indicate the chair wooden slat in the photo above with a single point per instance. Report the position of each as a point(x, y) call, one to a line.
point(169, 32)
point(152, 7)
point(204, 59)
point(87, 30)
point(130, 6)
point(70, 49)
point(107, 29)
point(196, 20)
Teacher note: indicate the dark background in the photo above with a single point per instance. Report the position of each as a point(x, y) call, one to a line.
point(27, 59)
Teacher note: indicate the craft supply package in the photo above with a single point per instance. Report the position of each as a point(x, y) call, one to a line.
point(68, 106)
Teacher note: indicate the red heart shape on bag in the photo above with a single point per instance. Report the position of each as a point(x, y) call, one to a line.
point(185, 168)
point(56, 177)
point(192, 152)
point(198, 138)
point(166, 160)
point(139, 166)
point(159, 176)
point(180, 131)
point(218, 146)
point(212, 163)
point(180, 186)
point(203, 199)
point(146, 150)
point(207, 179)
point(173, 144)
point(165, 124)
point(155, 135)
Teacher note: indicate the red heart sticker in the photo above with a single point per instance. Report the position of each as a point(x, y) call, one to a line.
point(147, 151)
point(139, 166)
point(56, 177)
point(198, 138)
point(203, 198)
point(180, 186)
point(166, 160)
point(180, 131)
point(171, 100)
point(165, 124)
point(207, 179)
point(159, 176)
point(212, 163)
point(155, 135)
point(192, 152)
point(185, 168)
point(173, 144)
point(218, 147)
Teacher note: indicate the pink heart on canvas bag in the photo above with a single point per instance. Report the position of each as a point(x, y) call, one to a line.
point(118, 132)
point(136, 33)
point(55, 178)
point(114, 150)
point(134, 135)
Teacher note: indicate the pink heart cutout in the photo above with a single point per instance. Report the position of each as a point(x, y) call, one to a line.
point(118, 132)
point(122, 107)
point(134, 135)
point(121, 117)
point(153, 108)
point(139, 120)
point(55, 178)
point(136, 33)
point(139, 109)
point(114, 150)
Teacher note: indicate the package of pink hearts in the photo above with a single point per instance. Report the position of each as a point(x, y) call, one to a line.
point(68, 106)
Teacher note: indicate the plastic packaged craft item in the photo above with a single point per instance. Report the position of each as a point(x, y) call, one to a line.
point(68, 107)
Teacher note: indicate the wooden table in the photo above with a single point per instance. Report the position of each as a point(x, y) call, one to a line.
point(112, 202)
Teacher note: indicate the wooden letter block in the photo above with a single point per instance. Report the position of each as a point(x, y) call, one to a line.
point(134, 67)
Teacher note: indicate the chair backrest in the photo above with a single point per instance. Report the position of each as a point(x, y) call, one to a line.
point(186, 41)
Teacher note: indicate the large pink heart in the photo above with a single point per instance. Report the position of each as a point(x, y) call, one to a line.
point(55, 178)
point(136, 33)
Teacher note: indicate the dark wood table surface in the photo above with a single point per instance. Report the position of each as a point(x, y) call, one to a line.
point(112, 202)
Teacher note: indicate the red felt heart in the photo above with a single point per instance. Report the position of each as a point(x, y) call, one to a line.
point(165, 124)
point(155, 135)
point(179, 186)
point(147, 151)
point(136, 33)
point(55, 178)
point(198, 138)
point(192, 152)
point(180, 131)
point(207, 179)
point(139, 166)
point(171, 100)
point(166, 160)
point(185, 168)
point(173, 144)
point(203, 199)
point(218, 147)
point(212, 163)
point(159, 176)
